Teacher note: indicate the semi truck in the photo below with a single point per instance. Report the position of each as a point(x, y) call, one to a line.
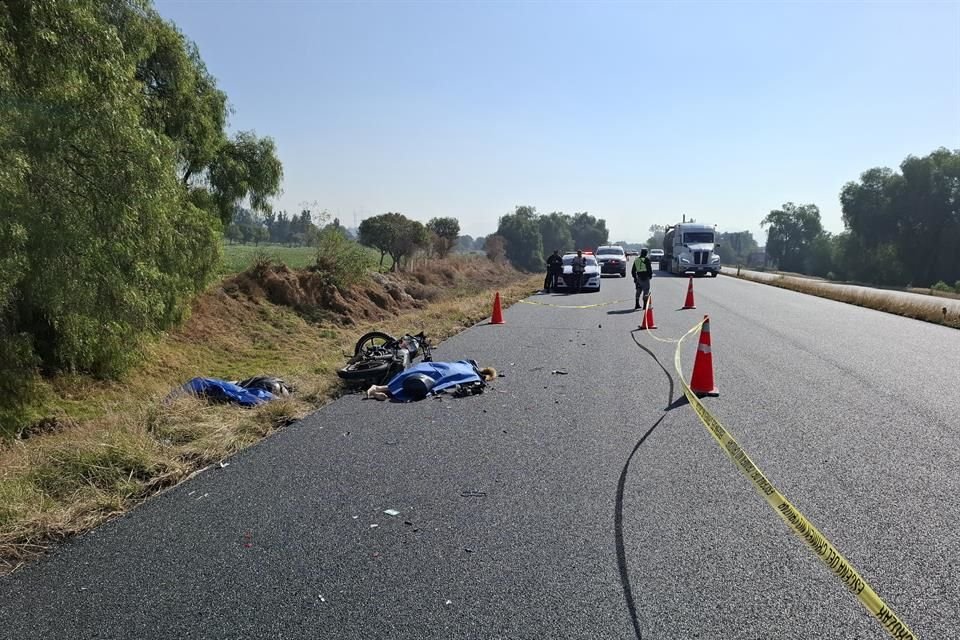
point(689, 247)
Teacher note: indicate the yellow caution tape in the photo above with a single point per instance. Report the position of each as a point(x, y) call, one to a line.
point(647, 329)
point(814, 539)
point(572, 306)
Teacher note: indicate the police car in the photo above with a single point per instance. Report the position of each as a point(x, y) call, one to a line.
point(591, 274)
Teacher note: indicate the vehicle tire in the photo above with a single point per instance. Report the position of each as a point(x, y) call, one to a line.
point(364, 369)
point(372, 339)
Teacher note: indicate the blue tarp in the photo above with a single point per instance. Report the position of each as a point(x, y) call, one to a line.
point(222, 391)
point(446, 375)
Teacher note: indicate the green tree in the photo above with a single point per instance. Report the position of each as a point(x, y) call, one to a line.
point(657, 231)
point(521, 232)
point(736, 246)
point(394, 234)
point(233, 233)
point(116, 181)
point(181, 102)
point(377, 232)
point(555, 232)
point(588, 232)
point(412, 236)
point(245, 168)
point(445, 232)
point(911, 218)
point(791, 232)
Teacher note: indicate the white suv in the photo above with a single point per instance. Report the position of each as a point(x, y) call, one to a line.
point(612, 259)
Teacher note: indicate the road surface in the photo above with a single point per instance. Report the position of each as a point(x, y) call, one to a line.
point(586, 505)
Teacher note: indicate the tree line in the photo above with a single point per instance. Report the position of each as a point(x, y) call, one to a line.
point(249, 226)
point(401, 238)
point(525, 237)
point(117, 177)
point(900, 227)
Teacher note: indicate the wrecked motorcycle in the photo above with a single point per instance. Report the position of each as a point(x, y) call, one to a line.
point(379, 356)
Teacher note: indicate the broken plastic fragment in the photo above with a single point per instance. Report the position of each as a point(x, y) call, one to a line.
point(391, 512)
point(559, 372)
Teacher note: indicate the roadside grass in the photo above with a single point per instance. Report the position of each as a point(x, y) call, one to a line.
point(104, 447)
point(927, 291)
point(926, 310)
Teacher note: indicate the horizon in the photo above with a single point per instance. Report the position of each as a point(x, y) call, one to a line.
point(636, 113)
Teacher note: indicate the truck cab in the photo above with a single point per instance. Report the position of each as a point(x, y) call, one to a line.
point(690, 248)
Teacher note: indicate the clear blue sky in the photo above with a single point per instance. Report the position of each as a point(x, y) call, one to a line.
point(636, 112)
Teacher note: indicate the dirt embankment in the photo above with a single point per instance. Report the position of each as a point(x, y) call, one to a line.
point(383, 296)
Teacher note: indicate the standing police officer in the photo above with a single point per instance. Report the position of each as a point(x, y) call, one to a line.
point(642, 272)
point(554, 271)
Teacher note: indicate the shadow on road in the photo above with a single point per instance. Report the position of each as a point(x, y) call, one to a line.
point(618, 533)
point(621, 484)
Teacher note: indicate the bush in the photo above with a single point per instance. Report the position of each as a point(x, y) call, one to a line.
point(496, 248)
point(942, 286)
point(341, 262)
point(956, 286)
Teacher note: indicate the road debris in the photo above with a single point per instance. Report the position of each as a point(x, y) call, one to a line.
point(559, 372)
point(374, 526)
point(322, 599)
point(473, 494)
point(391, 512)
point(448, 602)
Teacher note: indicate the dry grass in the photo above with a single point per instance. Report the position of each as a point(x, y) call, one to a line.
point(926, 310)
point(103, 447)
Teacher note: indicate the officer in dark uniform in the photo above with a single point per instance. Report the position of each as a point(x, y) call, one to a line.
point(554, 271)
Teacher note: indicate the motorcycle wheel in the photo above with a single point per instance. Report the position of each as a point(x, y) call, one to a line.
point(371, 340)
point(364, 369)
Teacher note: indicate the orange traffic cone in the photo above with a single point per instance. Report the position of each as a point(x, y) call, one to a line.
point(648, 322)
point(497, 317)
point(701, 382)
point(689, 304)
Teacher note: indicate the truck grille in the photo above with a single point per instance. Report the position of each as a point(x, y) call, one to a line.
point(701, 257)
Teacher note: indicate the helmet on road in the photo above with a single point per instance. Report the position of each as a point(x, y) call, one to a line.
point(418, 385)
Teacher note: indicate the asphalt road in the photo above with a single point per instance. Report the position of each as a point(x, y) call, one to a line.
point(951, 304)
point(562, 506)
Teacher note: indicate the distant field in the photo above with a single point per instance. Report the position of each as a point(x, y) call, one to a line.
point(237, 257)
